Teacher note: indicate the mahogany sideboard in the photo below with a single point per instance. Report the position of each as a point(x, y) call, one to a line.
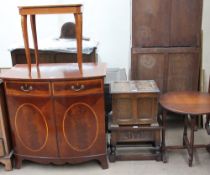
point(5, 144)
point(56, 114)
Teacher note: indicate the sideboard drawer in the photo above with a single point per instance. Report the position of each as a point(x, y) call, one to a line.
point(2, 152)
point(27, 88)
point(79, 87)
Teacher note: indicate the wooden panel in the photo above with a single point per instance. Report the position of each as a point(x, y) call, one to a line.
point(186, 22)
point(147, 110)
point(183, 72)
point(136, 136)
point(122, 109)
point(27, 88)
point(85, 114)
point(79, 87)
point(19, 56)
point(75, 124)
point(150, 67)
point(150, 23)
point(32, 126)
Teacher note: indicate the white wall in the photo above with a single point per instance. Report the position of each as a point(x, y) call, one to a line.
point(107, 21)
point(103, 20)
point(11, 32)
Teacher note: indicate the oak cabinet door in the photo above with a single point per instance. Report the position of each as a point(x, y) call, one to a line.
point(32, 125)
point(185, 22)
point(150, 23)
point(183, 71)
point(80, 125)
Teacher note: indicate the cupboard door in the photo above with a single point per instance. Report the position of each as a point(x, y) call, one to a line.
point(32, 125)
point(183, 71)
point(150, 67)
point(186, 22)
point(150, 23)
point(80, 125)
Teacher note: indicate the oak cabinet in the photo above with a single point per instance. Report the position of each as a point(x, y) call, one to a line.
point(166, 43)
point(134, 120)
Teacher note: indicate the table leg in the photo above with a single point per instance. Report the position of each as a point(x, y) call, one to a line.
point(78, 20)
point(192, 127)
point(185, 130)
point(33, 28)
point(158, 146)
point(113, 142)
point(163, 136)
point(26, 43)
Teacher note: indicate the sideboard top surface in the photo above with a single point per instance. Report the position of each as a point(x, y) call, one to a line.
point(55, 71)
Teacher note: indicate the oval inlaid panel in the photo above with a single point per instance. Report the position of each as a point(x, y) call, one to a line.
point(80, 126)
point(31, 127)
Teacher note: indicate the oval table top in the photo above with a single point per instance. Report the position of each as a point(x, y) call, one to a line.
point(186, 102)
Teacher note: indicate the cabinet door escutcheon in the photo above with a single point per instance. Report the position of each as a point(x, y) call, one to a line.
point(77, 88)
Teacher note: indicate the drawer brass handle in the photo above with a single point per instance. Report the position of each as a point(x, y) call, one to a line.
point(77, 88)
point(26, 88)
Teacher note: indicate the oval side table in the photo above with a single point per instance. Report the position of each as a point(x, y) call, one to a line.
point(190, 104)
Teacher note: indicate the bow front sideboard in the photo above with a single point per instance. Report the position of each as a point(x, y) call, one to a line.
point(57, 114)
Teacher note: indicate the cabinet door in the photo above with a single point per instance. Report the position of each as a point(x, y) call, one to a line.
point(186, 22)
point(183, 71)
point(80, 125)
point(150, 23)
point(32, 125)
